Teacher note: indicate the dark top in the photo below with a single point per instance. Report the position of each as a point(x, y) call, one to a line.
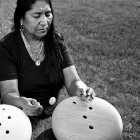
point(17, 64)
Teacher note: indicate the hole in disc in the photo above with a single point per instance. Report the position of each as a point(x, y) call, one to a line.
point(7, 132)
point(91, 127)
point(9, 117)
point(90, 108)
point(85, 117)
point(74, 102)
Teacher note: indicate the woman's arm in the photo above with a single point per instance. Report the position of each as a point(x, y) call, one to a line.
point(9, 92)
point(10, 95)
point(75, 86)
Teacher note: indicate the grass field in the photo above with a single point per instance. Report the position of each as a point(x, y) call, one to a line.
point(104, 40)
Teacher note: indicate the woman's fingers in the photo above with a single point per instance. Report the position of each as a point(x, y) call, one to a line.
point(31, 107)
point(88, 94)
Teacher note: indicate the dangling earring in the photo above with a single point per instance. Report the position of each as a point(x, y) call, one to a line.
point(21, 26)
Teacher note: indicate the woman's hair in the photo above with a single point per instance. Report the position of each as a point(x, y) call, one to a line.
point(53, 42)
point(22, 7)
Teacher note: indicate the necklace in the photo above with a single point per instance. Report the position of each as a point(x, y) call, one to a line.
point(37, 58)
point(36, 48)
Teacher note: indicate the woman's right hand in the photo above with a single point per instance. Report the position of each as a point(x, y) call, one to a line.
point(31, 107)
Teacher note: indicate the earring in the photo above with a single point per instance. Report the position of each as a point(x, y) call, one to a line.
point(21, 26)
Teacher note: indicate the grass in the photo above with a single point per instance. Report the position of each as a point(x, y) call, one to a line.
point(103, 37)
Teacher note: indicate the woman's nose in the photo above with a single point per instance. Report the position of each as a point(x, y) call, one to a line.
point(43, 20)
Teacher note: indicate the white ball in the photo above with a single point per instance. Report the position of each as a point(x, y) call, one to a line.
point(14, 124)
point(52, 100)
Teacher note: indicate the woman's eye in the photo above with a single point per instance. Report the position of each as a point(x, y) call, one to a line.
point(36, 16)
point(47, 14)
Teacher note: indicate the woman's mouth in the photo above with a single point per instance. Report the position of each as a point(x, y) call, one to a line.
point(43, 29)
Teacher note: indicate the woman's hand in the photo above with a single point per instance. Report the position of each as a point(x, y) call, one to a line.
point(86, 93)
point(31, 107)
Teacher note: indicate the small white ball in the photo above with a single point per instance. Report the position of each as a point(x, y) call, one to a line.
point(52, 100)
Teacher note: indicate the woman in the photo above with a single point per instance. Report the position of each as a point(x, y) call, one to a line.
point(35, 61)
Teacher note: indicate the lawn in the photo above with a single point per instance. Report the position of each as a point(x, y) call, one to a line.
point(103, 37)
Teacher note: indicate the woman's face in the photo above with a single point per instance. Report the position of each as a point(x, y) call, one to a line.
point(37, 21)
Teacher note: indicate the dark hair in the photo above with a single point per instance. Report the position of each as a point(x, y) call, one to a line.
point(22, 7)
point(53, 42)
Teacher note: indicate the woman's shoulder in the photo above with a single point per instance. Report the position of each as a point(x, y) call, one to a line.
point(9, 38)
point(59, 36)
point(61, 41)
point(10, 42)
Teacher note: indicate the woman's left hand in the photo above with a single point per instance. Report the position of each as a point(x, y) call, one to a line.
point(84, 92)
point(87, 94)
